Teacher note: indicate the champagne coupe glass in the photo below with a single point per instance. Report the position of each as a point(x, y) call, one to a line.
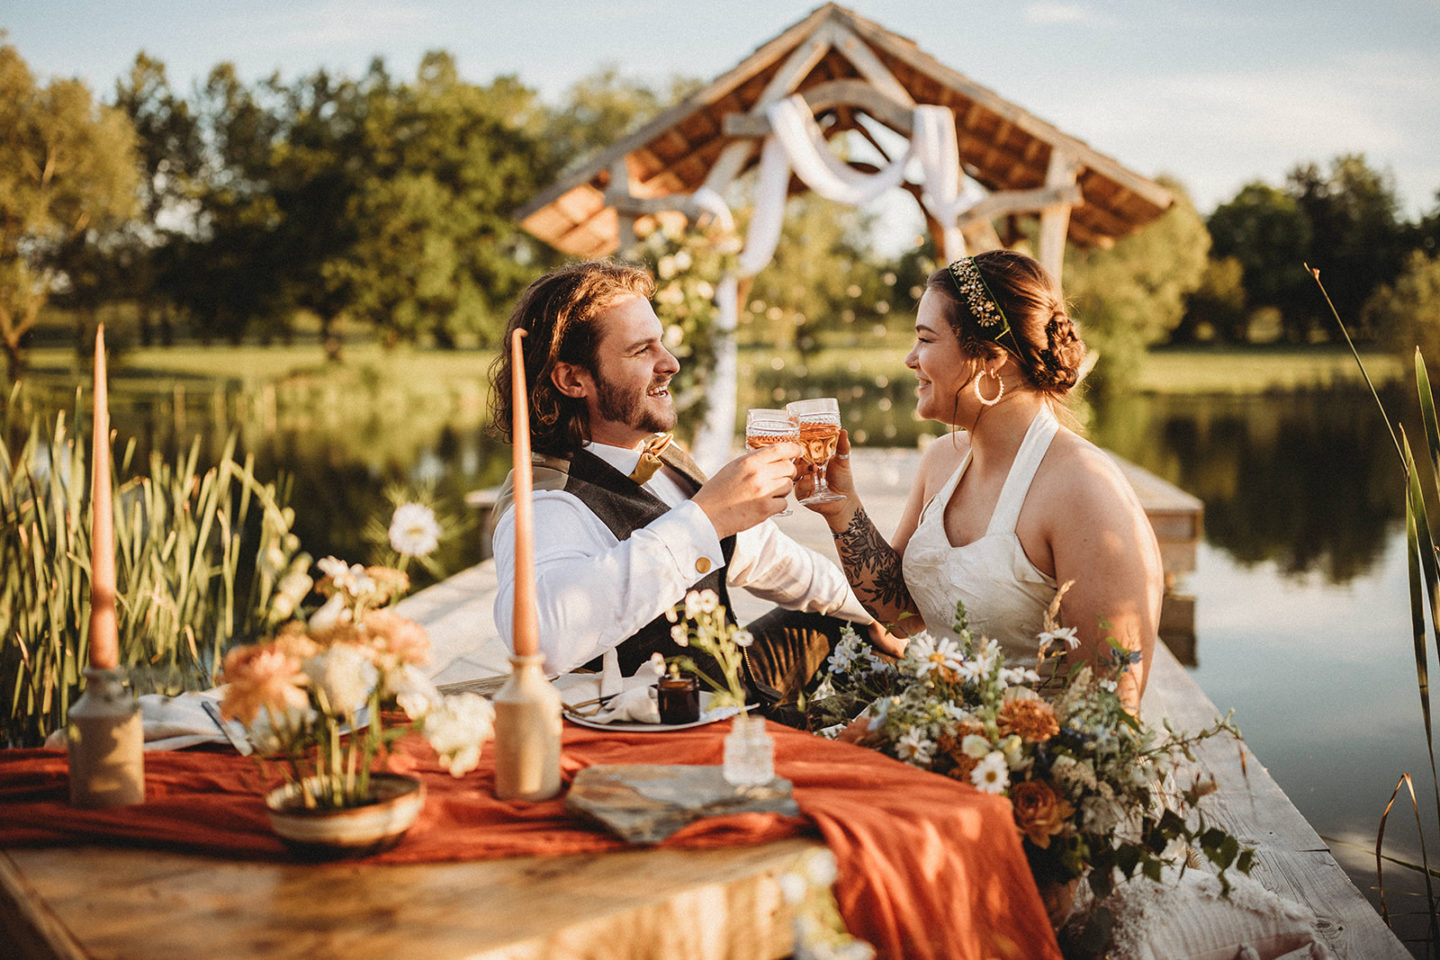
point(819, 421)
point(764, 427)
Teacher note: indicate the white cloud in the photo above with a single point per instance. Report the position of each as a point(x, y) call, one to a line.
point(1220, 130)
point(1062, 13)
point(337, 23)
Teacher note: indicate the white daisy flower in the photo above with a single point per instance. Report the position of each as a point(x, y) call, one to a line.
point(1065, 635)
point(414, 531)
point(919, 649)
point(946, 653)
point(991, 775)
point(915, 747)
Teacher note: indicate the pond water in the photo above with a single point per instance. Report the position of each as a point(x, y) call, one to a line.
point(1302, 607)
point(1301, 619)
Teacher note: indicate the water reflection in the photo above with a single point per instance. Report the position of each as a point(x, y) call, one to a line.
point(1306, 482)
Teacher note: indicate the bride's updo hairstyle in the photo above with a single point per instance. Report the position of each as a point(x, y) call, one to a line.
point(1031, 322)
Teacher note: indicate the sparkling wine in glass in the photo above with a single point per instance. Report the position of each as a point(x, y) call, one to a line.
point(764, 427)
point(819, 422)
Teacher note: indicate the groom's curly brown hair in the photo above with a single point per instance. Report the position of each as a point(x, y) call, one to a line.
point(556, 312)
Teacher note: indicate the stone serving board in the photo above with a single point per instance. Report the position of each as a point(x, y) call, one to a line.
point(645, 803)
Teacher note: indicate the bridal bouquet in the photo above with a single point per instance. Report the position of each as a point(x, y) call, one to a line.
point(314, 693)
point(1093, 788)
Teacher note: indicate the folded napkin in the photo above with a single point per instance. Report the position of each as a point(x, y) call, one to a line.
point(636, 701)
point(170, 723)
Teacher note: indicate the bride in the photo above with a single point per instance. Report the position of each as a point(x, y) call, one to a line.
point(1012, 504)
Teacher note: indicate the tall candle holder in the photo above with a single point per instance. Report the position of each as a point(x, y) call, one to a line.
point(105, 740)
point(527, 707)
point(527, 733)
point(103, 729)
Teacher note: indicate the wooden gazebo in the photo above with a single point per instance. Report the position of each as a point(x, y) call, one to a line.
point(846, 67)
point(832, 73)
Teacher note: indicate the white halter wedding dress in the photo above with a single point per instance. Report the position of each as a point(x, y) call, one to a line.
point(1005, 596)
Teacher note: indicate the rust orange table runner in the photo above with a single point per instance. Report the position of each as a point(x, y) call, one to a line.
point(928, 868)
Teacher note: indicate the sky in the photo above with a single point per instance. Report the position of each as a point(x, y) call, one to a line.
point(1216, 93)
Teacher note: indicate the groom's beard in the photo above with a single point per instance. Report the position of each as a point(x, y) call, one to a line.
point(619, 405)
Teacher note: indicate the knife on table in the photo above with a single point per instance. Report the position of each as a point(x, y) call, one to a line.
point(234, 731)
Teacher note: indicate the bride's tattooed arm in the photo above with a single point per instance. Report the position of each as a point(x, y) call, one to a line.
point(873, 569)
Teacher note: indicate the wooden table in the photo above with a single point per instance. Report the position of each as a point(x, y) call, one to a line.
point(666, 904)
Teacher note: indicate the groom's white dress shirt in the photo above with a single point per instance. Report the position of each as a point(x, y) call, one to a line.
point(594, 591)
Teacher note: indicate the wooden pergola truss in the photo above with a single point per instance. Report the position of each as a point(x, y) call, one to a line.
point(847, 68)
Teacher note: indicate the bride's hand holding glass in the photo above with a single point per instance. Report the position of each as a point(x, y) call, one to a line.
point(839, 480)
point(819, 421)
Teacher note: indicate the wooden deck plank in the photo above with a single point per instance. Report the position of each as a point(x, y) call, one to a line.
point(1291, 859)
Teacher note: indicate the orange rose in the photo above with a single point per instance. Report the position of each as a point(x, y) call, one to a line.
point(1039, 812)
point(1031, 717)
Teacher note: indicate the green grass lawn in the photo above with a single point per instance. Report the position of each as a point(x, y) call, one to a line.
point(1180, 370)
point(1242, 370)
point(255, 363)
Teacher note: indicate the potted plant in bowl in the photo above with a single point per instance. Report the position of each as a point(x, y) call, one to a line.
point(313, 696)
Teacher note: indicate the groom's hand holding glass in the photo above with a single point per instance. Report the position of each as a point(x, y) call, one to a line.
point(749, 489)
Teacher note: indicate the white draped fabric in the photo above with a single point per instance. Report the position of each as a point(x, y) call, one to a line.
point(797, 144)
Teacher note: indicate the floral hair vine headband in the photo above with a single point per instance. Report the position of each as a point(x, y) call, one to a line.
point(978, 298)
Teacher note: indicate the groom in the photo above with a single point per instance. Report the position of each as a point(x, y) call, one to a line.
point(625, 523)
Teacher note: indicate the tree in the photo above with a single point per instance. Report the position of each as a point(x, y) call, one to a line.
point(436, 251)
point(317, 164)
point(1408, 310)
point(1217, 305)
point(226, 268)
point(142, 254)
point(1356, 237)
point(1425, 235)
point(1265, 230)
point(820, 277)
point(67, 166)
point(1133, 294)
point(602, 107)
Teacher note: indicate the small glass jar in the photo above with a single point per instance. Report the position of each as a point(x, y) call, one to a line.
point(679, 699)
point(749, 752)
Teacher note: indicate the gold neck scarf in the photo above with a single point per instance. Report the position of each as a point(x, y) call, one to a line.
point(650, 457)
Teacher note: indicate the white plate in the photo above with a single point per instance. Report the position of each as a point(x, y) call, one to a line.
point(630, 726)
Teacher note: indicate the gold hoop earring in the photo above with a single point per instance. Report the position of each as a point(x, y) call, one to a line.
point(998, 394)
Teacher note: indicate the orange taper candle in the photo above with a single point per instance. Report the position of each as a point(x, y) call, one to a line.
point(526, 621)
point(104, 634)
